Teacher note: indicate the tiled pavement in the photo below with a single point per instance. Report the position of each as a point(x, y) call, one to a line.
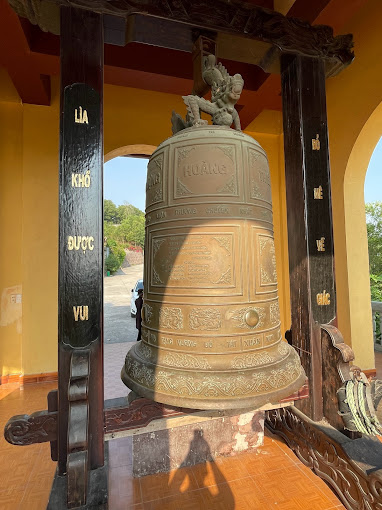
point(26, 473)
point(119, 326)
point(114, 358)
point(269, 478)
point(120, 332)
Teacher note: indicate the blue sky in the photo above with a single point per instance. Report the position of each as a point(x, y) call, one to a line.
point(125, 179)
point(373, 180)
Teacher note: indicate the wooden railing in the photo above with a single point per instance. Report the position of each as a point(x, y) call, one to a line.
point(376, 307)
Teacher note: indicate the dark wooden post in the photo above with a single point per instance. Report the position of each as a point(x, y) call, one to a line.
point(203, 46)
point(80, 360)
point(310, 237)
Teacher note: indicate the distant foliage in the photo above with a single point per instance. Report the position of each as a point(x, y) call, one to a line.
point(112, 263)
point(374, 238)
point(110, 214)
point(376, 287)
point(117, 250)
point(132, 231)
point(124, 228)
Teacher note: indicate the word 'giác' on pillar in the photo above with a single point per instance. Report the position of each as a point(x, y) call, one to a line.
point(211, 336)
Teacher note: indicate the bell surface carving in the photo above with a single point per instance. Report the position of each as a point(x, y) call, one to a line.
point(211, 335)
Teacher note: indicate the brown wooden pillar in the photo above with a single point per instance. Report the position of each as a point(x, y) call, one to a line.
point(80, 330)
point(310, 237)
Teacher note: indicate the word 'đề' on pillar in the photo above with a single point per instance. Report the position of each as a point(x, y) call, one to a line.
point(211, 335)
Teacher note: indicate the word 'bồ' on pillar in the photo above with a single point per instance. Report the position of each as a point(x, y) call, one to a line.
point(211, 336)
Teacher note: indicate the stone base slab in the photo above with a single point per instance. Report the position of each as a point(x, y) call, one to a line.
point(198, 439)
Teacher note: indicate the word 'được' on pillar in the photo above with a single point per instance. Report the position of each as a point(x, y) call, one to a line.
point(211, 335)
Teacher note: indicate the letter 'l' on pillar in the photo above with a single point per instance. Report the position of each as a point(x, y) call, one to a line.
point(80, 293)
point(309, 215)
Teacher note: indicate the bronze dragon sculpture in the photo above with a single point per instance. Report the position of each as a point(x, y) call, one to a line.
point(225, 93)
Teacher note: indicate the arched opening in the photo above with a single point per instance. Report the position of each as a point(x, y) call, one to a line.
point(356, 239)
point(124, 204)
point(373, 206)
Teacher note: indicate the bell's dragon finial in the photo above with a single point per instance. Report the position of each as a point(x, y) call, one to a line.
point(225, 93)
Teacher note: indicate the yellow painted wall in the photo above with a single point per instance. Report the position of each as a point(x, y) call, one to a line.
point(29, 195)
point(40, 237)
point(352, 97)
point(11, 237)
point(133, 116)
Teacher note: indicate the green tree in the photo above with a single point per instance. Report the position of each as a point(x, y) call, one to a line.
point(110, 214)
point(126, 210)
point(112, 263)
point(132, 230)
point(374, 238)
point(109, 230)
point(376, 287)
point(123, 226)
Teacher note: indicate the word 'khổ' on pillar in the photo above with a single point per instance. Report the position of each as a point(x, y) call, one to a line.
point(81, 180)
point(211, 334)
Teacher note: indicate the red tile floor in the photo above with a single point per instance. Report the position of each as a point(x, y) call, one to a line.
point(269, 478)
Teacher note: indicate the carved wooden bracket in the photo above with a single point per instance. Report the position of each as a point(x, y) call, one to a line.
point(203, 47)
point(78, 424)
point(224, 16)
point(346, 353)
point(336, 358)
point(41, 427)
point(333, 457)
point(25, 429)
point(139, 414)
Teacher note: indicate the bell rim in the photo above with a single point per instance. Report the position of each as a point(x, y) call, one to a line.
point(251, 402)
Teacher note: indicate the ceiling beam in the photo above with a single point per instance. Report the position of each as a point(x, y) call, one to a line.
point(287, 34)
point(31, 86)
point(308, 11)
point(157, 59)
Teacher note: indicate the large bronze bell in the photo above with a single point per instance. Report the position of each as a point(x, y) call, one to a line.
point(211, 335)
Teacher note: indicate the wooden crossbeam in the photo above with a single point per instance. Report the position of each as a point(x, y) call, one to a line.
point(32, 86)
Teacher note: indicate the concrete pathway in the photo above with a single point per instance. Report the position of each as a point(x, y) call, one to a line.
point(120, 333)
point(119, 325)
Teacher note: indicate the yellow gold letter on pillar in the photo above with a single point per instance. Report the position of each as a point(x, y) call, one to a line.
point(323, 298)
point(81, 313)
point(318, 193)
point(316, 143)
point(81, 116)
point(320, 244)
